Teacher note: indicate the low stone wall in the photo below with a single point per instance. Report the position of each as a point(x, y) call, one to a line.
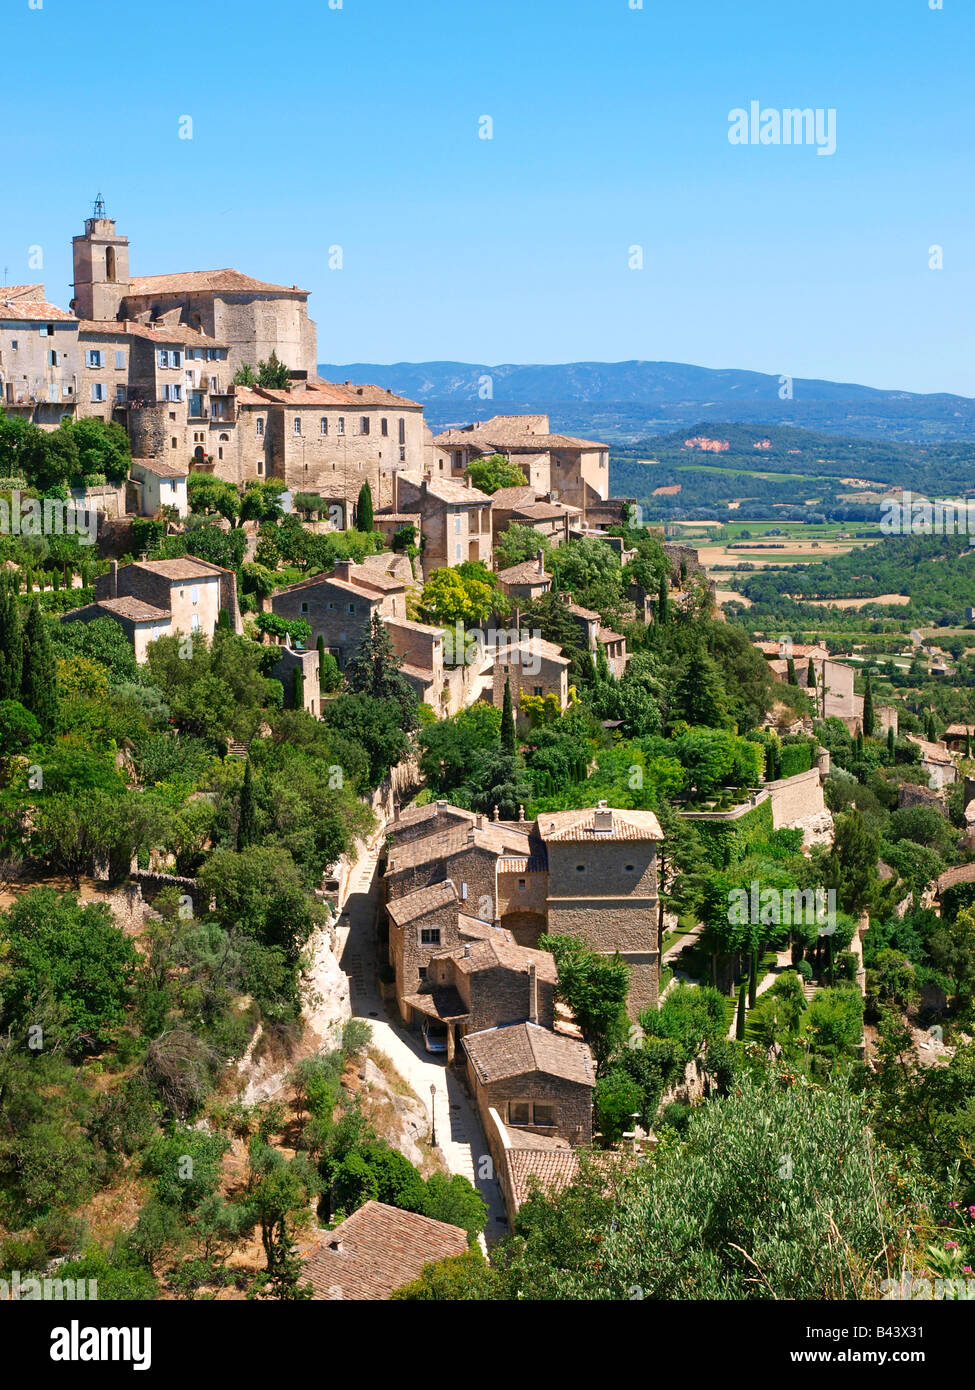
point(796, 799)
point(152, 884)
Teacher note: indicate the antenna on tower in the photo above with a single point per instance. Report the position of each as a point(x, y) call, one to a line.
point(98, 208)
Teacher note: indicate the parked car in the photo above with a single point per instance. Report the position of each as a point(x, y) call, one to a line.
point(434, 1035)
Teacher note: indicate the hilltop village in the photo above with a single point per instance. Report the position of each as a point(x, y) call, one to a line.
point(399, 830)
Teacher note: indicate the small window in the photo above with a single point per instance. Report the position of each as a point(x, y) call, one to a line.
point(456, 552)
point(304, 608)
point(429, 936)
point(402, 455)
point(363, 424)
point(456, 525)
point(522, 885)
point(120, 394)
point(120, 361)
point(544, 1113)
point(195, 622)
point(13, 344)
point(175, 359)
point(97, 391)
point(323, 426)
point(297, 424)
point(580, 868)
point(402, 431)
point(163, 357)
point(422, 972)
point(195, 594)
point(536, 690)
point(463, 891)
point(629, 868)
point(519, 1112)
point(340, 427)
point(93, 358)
point(43, 330)
point(260, 428)
point(384, 428)
point(351, 608)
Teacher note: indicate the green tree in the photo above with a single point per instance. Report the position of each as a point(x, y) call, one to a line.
point(374, 670)
point(595, 987)
point(363, 511)
point(519, 543)
point(868, 714)
point(244, 375)
point(508, 740)
point(273, 373)
point(39, 686)
point(247, 811)
point(494, 472)
point(11, 642)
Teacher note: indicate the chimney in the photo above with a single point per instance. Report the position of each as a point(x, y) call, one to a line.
point(541, 561)
point(343, 570)
point(467, 949)
point(467, 480)
point(441, 807)
point(603, 819)
point(480, 822)
point(113, 579)
point(532, 994)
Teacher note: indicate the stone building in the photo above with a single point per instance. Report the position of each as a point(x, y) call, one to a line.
point(339, 607)
point(305, 660)
point(595, 635)
point(602, 886)
point(574, 471)
point(455, 518)
point(325, 438)
point(535, 1079)
point(533, 667)
point(253, 317)
point(162, 598)
point(160, 483)
point(551, 519)
point(526, 581)
point(832, 690)
point(40, 372)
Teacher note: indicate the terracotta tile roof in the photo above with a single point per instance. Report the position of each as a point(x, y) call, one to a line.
point(186, 567)
point(442, 1002)
point(544, 511)
point(376, 579)
point(196, 281)
point(492, 951)
point(581, 612)
point(134, 608)
point(16, 308)
point(400, 518)
point(152, 332)
point(408, 625)
point(534, 647)
point(516, 1049)
point(506, 497)
point(445, 490)
point(932, 752)
point(551, 1168)
point(513, 432)
point(515, 864)
point(431, 812)
point(606, 634)
point(477, 930)
point(525, 573)
point(376, 1250)
point(422, 674)
point(162, 468)
point(324, 393)
point(581, 825)
point(413, 906)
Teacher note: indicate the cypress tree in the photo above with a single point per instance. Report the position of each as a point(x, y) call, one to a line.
point(753, 979)
point(247, 819)
point(363, 511)
point(663, 601)
point(508, 740)
point(11, 643)
point(868, 716)
point(740, 1025)
point(38, 683)
point(320, 644)
point(298, 696)
point(811, 675)
point(932, 731)
point(790, 672)
point(891, 741)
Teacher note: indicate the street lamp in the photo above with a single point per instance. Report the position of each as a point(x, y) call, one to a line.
point(433, 1115)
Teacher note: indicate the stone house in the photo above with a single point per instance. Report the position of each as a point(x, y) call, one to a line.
point(575, 471)
point(416, 822)
point(833, 692)
point(39, 366)
point(527, 581)
point(535, 1079)
point(375, 1251)
point(602, 886)
point(533, 667)
point(160, 484)
point(595, 635)
point(455, 519)
point(466, 854)
point(327, 438)
point(339, 607)
point(162, 598)
point(422, 924)
point(549, 518)
point(936, 763)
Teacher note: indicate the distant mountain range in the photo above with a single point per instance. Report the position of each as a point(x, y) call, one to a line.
point(623, 402)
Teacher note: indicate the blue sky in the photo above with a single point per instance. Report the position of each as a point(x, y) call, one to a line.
point(358, 127)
